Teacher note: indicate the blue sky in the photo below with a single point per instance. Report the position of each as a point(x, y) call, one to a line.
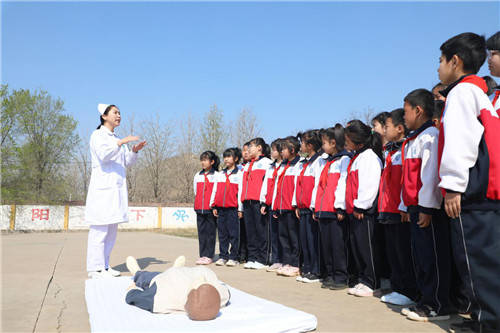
point(298, 65)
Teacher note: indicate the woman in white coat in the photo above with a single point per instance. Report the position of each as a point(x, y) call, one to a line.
point(107, 198)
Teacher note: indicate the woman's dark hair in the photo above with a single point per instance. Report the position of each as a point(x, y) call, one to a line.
point(423, 98)
point(438, 109)
point(362, 134)
point(311, 137)
point(266, 151)
point(397, 118)
point(235, 153)
point(381, 118)
point(291, 143)
point(211, 156)
point(491, 83)
point(335, 133)
point(106, 113)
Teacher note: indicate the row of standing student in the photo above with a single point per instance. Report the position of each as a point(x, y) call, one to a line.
point(433, 196)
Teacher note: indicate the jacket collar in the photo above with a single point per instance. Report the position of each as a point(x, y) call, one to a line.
point(339, 155)
point(469, 78)
point(235, 171)
point(292, 162)
point(211, 172)
point(391, 146)
point(313, 158)
point(419, 130)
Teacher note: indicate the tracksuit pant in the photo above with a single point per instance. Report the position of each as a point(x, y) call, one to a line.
point(207, 228)
point(256, 230)
point(100, 243)
point(362, 245)
point(228, 227)
point(398, 254)
point(309, 242)
point(476, 248)
point(334, 235)
point(289, 237)
point(275, 254)
point(431, 256)
point(243, 241)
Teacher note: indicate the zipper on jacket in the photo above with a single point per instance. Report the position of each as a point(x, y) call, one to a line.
point(203, 198)
point(224, 195)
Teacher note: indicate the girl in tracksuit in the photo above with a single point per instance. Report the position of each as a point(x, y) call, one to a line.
point(266, 200)
point(249, 194)
point(363, 177)
point(224, 203)
point(328, 204)
point(283, 207)
point(309, 235)
point(205, 219)
point(396, 231)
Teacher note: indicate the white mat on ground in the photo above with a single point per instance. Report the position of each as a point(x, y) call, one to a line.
point(108, 312)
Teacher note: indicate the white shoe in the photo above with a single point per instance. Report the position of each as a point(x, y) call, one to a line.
point(299, 278)
point(352, 291)
point(363, 291)
point(132, 265)
point(248, 265)
point(220, 262)
point(397, 299)
point(100, 275)
point(180, 261)
point(258, 265)
point(231, 263)
point(113, 272)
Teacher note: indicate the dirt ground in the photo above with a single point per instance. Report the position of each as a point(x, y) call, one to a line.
point(43, 287)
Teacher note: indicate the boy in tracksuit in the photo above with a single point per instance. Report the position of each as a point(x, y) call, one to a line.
point(283, 209)
point(396, 230)
point(422, 197)
point(493, 46)
point(225, 205)
point(469, 169)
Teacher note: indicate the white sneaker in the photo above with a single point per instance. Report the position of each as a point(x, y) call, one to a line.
point(113, 272)
point(220, 262)
point(231, 263)
point(100, 275)
point(397, 299)
point(248, 265)
point(299, 278)
point(352, 291)
point(364, 291)
point(132, 265)
point(258, 265)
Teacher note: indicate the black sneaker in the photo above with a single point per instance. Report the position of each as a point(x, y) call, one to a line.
point(327, 282)
point(310, 278)
point(465, 326)
point(339, 286)
point(425, 314)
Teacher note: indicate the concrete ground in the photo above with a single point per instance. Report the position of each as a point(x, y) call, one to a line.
point(43, 277)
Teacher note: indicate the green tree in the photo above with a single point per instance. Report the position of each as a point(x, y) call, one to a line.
point(213, 134)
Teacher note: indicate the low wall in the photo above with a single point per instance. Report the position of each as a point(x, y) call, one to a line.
point(40, 217)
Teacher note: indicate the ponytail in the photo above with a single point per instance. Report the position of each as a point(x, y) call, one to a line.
point(362, 134)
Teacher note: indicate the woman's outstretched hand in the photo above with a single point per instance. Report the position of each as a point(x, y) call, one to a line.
point(138, 146)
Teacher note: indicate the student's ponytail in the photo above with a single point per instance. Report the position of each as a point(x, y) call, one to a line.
point(362, 134)
point(376, 144)
point(266, 151)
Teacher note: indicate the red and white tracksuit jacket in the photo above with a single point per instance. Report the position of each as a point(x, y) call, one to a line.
point(285, 185)
point(363, 178)
point(420, 177)
point(495, 100)
point(469, 145)
point(389, 195)
point(254, 173)
point(267, 191)
point(225, 193)
point(330, 186)
point(203, 186)
point(305, 181)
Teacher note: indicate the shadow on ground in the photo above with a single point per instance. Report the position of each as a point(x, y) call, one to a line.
point(143, 263)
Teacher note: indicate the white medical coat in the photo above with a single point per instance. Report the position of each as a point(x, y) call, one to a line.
point(107, 198)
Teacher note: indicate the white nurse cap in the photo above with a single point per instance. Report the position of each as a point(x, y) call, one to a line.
point(101, 108)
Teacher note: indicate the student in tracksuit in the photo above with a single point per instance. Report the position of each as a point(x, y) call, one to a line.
point(284, 210)
point(205, 219)
point(493, 45)
point(469, 152)
point(421, 196)
point(363, 177)
point(225, 205)
point(328, 204)
point(243, 230)
point(309, 231)
point(396, 231)
point(266, 200)
point(249, 194)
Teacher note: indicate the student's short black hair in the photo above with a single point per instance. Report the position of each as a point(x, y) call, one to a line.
point(423, 98)
point(493, 43)
point(381, 118)
point(276, 144)
point(334, 133)
point(311, 137)
point(397, 118)
point(491, 83)
point(291, 143)
point(469, 47)
point(439, 84)
point(234, 152)
point(211, 156)
point(438, 109)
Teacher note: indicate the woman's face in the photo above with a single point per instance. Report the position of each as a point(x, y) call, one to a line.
point(113, 117)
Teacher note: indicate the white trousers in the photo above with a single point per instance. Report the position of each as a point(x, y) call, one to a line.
point(101, 241)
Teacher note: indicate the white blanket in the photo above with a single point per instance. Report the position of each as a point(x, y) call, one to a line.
point(108, 312)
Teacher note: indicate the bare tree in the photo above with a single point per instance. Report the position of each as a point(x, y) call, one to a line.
point(245, 128)
point(366, 115)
